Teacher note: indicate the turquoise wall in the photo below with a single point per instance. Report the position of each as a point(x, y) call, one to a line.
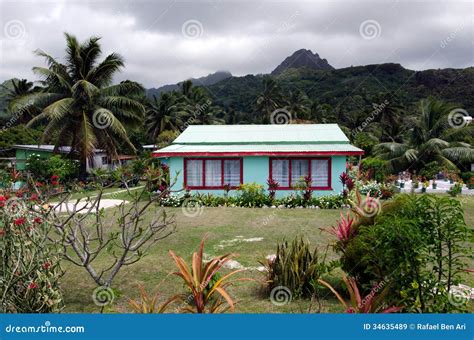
point(256, 169)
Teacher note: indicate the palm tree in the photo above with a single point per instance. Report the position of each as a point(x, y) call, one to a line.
point(19, 88)
point(298, 105)
point(162, 114)
point(270, 99)
point(431, 139)
point(80, 106)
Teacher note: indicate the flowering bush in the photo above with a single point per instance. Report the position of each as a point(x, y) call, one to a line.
point(374, 189)
point(291, 201)
point(30, 269)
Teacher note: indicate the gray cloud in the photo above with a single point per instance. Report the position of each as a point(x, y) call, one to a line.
point(242, 37)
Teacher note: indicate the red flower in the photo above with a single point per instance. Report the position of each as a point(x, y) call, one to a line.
point(46, 265)
point(33, 197)
point(19, 194)
point(38, 220)
point(20, 221)
point(3, 199)
point(33, 285)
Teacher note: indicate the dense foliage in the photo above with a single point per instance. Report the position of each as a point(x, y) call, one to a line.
point(417, 245)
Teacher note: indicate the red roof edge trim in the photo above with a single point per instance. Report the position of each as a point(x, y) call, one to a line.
point(256, 153)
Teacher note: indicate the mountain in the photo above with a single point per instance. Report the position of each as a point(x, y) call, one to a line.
point(210, 79)
point(346, 88)
point(302, 59)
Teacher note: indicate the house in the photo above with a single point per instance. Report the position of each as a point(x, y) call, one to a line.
point(98, 160)
point(204, 158)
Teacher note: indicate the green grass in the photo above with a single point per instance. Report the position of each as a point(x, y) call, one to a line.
point(219, 224)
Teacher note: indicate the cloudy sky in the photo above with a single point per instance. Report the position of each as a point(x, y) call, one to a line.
point(167, 41)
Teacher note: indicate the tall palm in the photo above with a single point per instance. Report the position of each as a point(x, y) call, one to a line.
point(269, 99)
point(298, 104)
point(162, 114)
point(80, 105)
point(19, 88)
point(432, 139)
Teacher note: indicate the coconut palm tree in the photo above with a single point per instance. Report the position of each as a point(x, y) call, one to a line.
point(78, 103)
point(162, 114)
point(21, 114)
point(269, 99)
point(431, 139)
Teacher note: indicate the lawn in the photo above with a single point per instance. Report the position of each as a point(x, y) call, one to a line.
point(250, 233)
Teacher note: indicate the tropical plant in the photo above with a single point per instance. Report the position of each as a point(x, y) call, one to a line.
point(419, 244)
point(148, 304)
point(197, 277)
point(345, 229)
point(252, 195)
point(79, 104)
point(30, 258)
point(272, 187)
point(42, 169)
point(372, 303)
point(431, 139)
point(269, 99)
point(162, 115)
point(20, 113)
point(295, 267)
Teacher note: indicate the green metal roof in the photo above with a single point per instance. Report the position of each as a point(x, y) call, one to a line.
point(255, 134)
point(237, 140)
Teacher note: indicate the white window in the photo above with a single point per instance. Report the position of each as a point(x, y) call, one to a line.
point(213, 173)
point(320, 173)
point(291, 174)
point(281, 172)
point(194, 173)
point(299, 170)
point(232, 172)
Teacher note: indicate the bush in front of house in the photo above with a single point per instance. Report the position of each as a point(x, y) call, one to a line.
point(291, 201)
point(42, 169)
point(418, 245)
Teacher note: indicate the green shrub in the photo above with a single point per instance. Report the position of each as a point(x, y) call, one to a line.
point(430, 170)
point(375, 167)
point(295, 267)
point(455, 190)
point(252, 195)
point(417, 245)
point(42, 169)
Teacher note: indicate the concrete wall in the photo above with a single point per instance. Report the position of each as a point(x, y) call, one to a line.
point(257, 169)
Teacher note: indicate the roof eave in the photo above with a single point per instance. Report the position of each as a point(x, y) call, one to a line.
point(256, 153)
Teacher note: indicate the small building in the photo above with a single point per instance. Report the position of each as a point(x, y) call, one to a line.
point(99, 160)
point(205, 158)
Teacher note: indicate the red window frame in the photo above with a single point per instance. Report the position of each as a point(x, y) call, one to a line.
point(204, 172)
point(309, 159)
